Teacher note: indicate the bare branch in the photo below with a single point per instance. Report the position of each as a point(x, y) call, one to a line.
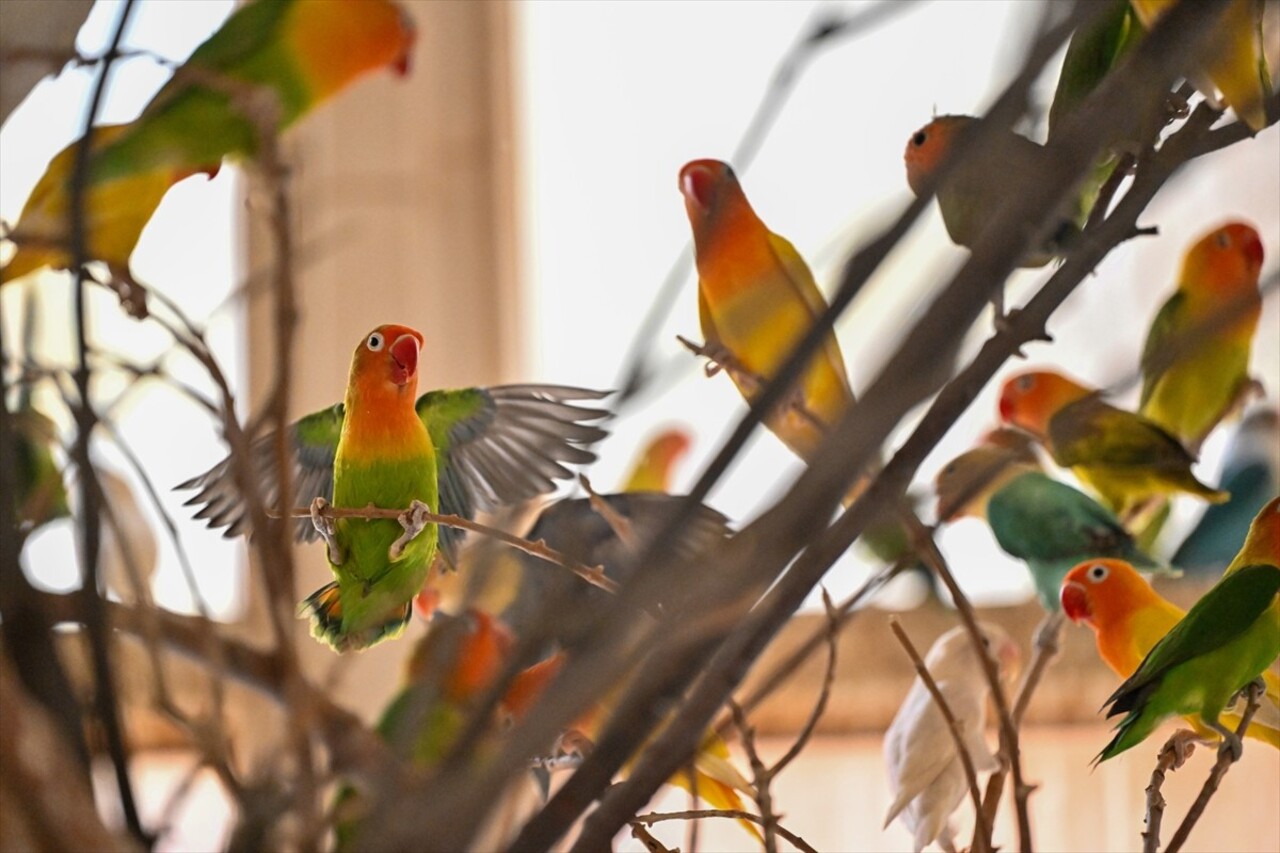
point(1175, 751)
point(731, 814)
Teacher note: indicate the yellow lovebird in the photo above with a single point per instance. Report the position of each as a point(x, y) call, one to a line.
point(116, 211)
point(1128, 618)
point(1235, 63)
point(653, 469)
point(756, 300)
point(1122, 456)
point(1192, 375)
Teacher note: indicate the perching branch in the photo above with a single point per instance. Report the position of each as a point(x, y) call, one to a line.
point(731, 814)
point(1172, 755)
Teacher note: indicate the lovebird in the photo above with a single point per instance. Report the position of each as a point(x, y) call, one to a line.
point(756, 300)
point(1235, 64)
point(925, 773)
point(1124, 457)
point(456, 452)
point(1251, 473)
point(116, 212)
point(282, 57)
point(1224, 642)
point(654, 469)
point(1128, 617)
point(1192, 379)
point(1044, 522)
point(978, 186)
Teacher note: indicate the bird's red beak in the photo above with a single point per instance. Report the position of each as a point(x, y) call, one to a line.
point(1075, 603)
point(697, 184)
point(404, 355)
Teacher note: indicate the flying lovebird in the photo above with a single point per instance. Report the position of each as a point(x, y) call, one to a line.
point(268, 65)
point(1124, 457)
point(654, 469)
point(1251, 473)
point(756, 300)
point(1225, 642)
point(1128, 618)
point(1193, 375)
point(115, 213)
point(1044, 522)
point(456, 452)
point(979, 185)
point(925, 772)
point(1235, 63)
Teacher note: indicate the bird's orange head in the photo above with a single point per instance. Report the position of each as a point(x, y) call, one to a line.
point(1029, 400)
point(730, 242)
point(336, 42)
point(928, 147)
point(669, 447)
point(1262, 545)
point(384, 366)
point(1224, 262)
point(480, 653)
point(711, 193)
point(1103, 592)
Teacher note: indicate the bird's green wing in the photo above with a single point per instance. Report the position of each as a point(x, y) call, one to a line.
point(1225, 611)
point(1155, 355)
point(503, 445)
point(313, 443)
point(1090, 432)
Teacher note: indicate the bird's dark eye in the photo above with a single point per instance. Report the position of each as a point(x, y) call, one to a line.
point(920, 138)
point(1098, 573)
point(1025, 383)
point(375, 342)
point(1223, 240)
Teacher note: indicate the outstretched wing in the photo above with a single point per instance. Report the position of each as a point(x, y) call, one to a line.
point(503, 445)
point(314, 441)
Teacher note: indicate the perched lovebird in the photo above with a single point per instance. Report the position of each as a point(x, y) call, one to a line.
point(925, 772)
point(654, 468)
point(1224, 642)
point(274, 59)
point(455, 452)
point(1192, 379)
point(116, 211)
point(1122, 456)
point(1251, 473)
point(1128, 617)
point(979, 185)
point(756, 300)
point(1044, 522)
point(1234, 64)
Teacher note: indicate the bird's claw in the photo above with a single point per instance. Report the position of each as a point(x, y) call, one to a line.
point(324, 526)
point(1182, 744)
point(413, 520)
point(1231, 745)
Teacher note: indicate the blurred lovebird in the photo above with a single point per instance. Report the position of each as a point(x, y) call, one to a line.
point(454, 452)
point(1128, 618)
point(1047, 524)
point(654, 469)
point(1194, 373)
point(1234, 60)
point(1224, 642)
point(1124, 457)
point(756, 300)
point(925, 772)
point(1251, 473)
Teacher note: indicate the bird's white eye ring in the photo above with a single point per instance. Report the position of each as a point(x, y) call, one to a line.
point(1097, 573)
point(375, 342)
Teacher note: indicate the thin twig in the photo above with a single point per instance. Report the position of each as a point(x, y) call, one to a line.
point(982, 839)
point(824, 693)
point(760, 774)
point(1046, 646)
point(620, 526)
point(1175, 751)
point(732, 814)
point(650, 843)
point(593, 575)
point(1220, 767)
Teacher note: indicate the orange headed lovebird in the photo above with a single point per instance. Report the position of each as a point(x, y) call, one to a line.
point(1193, 376)
point(756, 300)
point(1235, 63)
point(1224, 642)
point(274, 59)
point(1122, 456)
point(1128, 618)
point(456, 452)
point(116, 211)
point(653, 469)
point(978, 186)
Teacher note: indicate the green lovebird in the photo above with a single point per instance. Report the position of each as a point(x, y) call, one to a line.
point(1047, 524)
point(283, 57)
point(1224, 642)
point(453, 452)
point(41, 496)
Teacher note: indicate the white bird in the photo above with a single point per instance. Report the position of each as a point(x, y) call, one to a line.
point(925, 772)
